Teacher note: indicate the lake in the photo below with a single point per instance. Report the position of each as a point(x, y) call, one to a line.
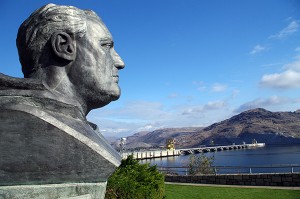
point(242, 159)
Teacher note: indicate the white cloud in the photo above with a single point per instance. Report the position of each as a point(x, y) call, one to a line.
point(272, 64)
point(257, 49)
point(292, 27)
point(262, 103)
point(219, 87)
point(201, 88)
point(216, 87)
point(173, 95)
point(148, 127)
point(214, 105)
point(235, 93)
point(147, 116)
point(201, 85)
point(289, 78)
point(130, 118)
point(112, 128)
point(135, 111)
point(201, 109)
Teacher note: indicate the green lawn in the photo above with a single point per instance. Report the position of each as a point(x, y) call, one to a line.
point(193, 192)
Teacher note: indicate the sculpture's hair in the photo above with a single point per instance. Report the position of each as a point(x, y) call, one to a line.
point(36, 31)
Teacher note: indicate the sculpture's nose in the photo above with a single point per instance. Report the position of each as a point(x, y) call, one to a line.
point(118, 62)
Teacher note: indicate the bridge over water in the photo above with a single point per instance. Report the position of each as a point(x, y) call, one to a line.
point(176, 152)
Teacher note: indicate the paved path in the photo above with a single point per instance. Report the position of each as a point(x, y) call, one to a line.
point(235, 186)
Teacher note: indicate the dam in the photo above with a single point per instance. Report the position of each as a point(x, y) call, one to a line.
point(139, 155)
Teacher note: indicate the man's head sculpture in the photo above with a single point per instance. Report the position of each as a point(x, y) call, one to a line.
point(70, 67)
point(72, 53)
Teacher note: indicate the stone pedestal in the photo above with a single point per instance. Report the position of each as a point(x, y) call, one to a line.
point(57, 191)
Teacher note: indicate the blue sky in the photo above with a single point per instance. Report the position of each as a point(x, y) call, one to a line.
point(188, 63)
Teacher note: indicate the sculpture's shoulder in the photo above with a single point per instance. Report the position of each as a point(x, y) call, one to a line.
point(8, 82)
point(19, 93)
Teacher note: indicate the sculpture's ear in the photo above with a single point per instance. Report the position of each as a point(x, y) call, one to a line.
point(64, 46)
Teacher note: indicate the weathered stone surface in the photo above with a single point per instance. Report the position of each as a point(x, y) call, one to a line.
point(245, 177)
point(275, 179)
point(61, 191)
point(48, 153)
point(287, 179)
point(238, 177)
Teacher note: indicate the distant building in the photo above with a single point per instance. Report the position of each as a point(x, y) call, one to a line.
point(170, 144)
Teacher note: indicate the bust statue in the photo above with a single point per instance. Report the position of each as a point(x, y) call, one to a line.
point(70, 67)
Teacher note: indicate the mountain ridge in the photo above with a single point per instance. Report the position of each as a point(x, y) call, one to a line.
point(259, 124)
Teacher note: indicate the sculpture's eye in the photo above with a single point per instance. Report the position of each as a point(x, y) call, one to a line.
point(107, 46)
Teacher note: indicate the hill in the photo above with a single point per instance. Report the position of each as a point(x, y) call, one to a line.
point(259, 124)
point(158, 137)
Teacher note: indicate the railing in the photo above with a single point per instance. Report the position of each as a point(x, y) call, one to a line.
point(283, 168)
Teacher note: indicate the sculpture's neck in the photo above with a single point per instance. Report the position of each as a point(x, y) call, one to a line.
point(66, 96)
point(56, 81)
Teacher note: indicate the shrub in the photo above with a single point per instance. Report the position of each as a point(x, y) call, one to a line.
point(201, 165)
point(132, 180)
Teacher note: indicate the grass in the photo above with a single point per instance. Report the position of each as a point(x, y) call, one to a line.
point(199, 192)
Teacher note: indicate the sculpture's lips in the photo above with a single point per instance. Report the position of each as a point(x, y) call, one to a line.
point(116, 77)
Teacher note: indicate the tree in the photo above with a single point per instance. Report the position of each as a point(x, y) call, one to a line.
point(201, 165)
point(132, 180)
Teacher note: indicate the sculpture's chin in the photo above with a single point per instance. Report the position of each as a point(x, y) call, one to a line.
point(116, 93)
point(115, 97)
point(102, 99)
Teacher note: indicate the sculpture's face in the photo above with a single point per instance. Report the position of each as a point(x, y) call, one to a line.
point(95, 70)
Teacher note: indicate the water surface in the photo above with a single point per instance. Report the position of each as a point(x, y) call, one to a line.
point(250, 158)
